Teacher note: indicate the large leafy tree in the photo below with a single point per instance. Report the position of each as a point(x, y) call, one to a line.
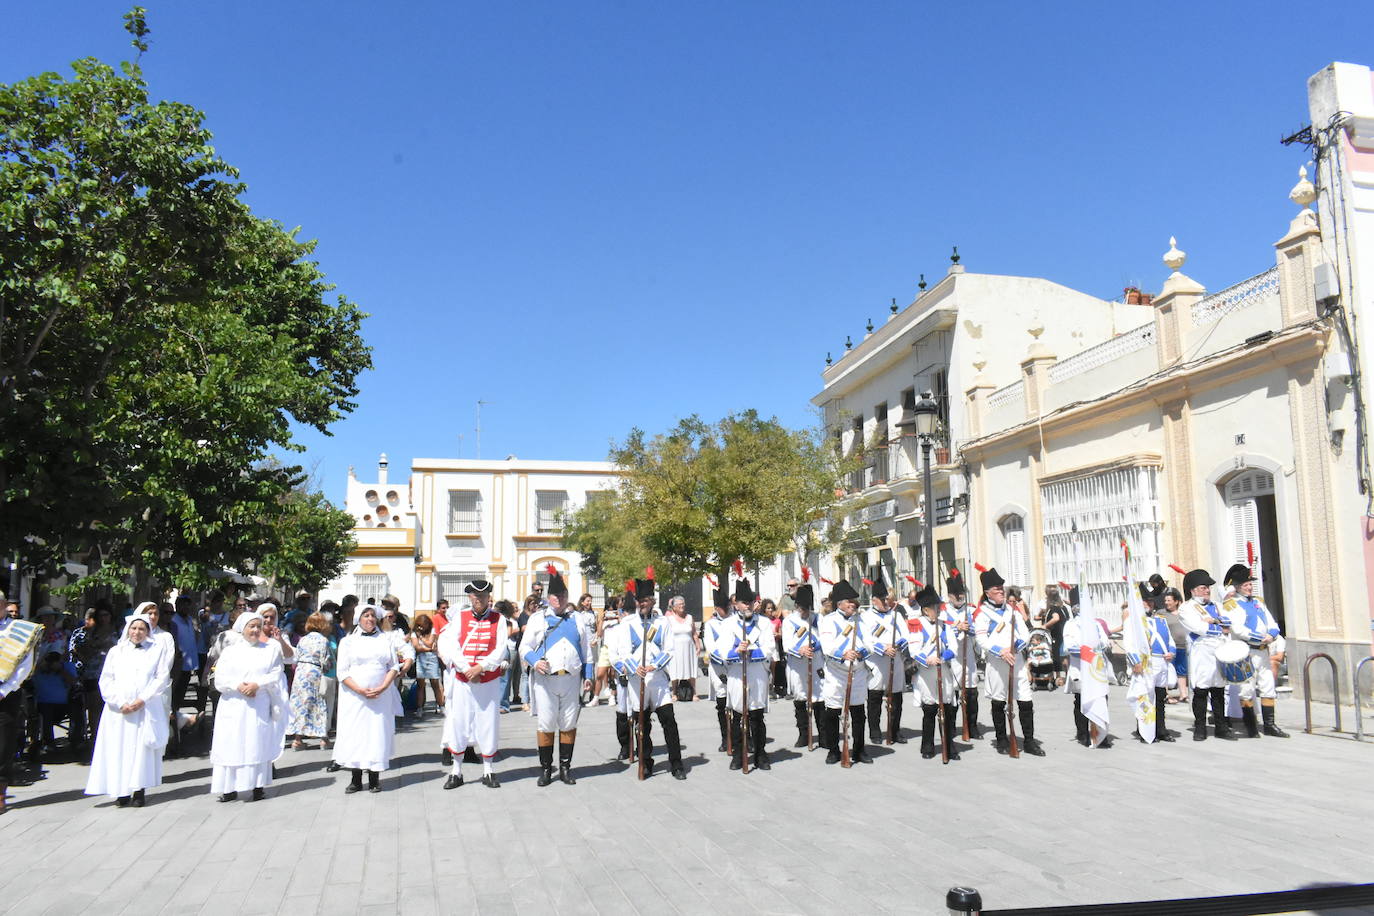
point(157, 340)
point(693, 500)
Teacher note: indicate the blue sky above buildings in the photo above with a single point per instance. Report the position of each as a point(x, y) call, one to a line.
point(594, 215)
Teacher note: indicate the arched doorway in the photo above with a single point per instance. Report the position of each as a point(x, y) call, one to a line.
point(1252, 529)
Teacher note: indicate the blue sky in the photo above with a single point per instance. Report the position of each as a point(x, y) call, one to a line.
point(594, 215)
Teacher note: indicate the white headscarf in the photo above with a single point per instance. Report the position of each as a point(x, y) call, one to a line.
point(244, 619)
point(148, 611)
point(137, 617)
point(376, 617)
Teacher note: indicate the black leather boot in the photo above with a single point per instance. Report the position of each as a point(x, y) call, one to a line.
point(999, 725)
point(1247, 715)
point(723, 720)
point(1025, 710)
point(975, 730)
point(545, 765)
point(1080, 722)
point(799, 707)
point(1162, 732)
point(832, 735)
point(951, 719)
point(1200, 714)
point(897, 719)
point(818, 716)
point(928, 729)
point(859, 751)
point(736, 743)
point(565, 754)
point(875, 711)
point(622, 732)
point(668, 719)
point(1221, 724)
point(758, 736)
point(1271, 728)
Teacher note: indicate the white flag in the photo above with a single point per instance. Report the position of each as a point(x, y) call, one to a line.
point(1093, 667)
point(1140, 691)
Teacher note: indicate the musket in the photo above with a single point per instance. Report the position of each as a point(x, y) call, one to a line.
point(940, 686)
point(891, 675)
point(848, 686)
point(1013, 748)
point(966, 662)
point(810, 732)
point(643, 660)
point(744, 697)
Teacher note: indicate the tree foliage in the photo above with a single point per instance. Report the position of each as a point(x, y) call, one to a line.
point(694, 499)
point(157, 340)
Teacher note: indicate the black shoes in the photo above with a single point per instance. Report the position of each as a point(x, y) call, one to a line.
point(229, 796)
point(453, 781)
point(545, 777)
point(490, 781)
point(761, 761)
point(1032, 747)
point(735, 763)
point(348, 790)
point(679, 773)
point(565, 774)
point(258, 795)
point(862, 757)
point(333, 767)
point(801, 740)
point(123, 801)
point(832, 757)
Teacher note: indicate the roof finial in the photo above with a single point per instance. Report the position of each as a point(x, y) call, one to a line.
point(848, 344)
point(894, 305)
point(954, 258)
point(1303, 192)
point(1173, 258)
point(869, 327)
point(828, 360)
point(922, 285)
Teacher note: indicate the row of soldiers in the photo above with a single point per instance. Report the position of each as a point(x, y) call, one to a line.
point(844, 670)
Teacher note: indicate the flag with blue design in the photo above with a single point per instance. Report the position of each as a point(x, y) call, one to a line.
point(1092, 659)
point(1140, 692)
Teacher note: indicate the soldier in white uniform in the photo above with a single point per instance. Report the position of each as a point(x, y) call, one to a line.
point(1161, 664)
point(746, 635)
point(1002, 637)
point(474, 650)
point(805, 662)
point(1252, 622)
point(934, 647)
point(845, 652)
point(641, 655)
point(1208, 629)
point(557, 647)
point(1080, 631)
point(884, 633)
point(716, 671)
point(958, 616)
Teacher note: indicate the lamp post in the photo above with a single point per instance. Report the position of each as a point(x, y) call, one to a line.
point(926, 413)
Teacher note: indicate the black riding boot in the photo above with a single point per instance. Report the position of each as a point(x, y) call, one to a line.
point(1025, 710)
point(951, 717)
point(1200, 696)
point(799, 707)
point(622, 733)
point(818, 716)
point(875, 712)
point(1271, 728)
point(545, 765)
point(1221, 724)
point(736, 742)
point(724, 723)
point(897, 719)
point(971, 713)
point(1162, 732)
point(758, 739)
point(668, 719)
point(1247, 715)
point(856, 718)
point(928, 729)
point(565, 755)
point(1080, 722)
point(830, 732)
point(999, 725)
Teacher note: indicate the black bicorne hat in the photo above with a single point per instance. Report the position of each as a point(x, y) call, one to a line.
point(842, 591)
point(805, 597)
point(1237, 574)
point(1195, 578)
point(556, 584)
point(477, 585)
point(955, 585)
point(928, 597)
point(990, 579)
point(879, 589)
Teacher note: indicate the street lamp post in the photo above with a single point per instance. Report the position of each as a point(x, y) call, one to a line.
point(926, 413)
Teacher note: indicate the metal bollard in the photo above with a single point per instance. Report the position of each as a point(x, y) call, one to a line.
point(964, 901)
point(1307, 688)
point(1359, 721)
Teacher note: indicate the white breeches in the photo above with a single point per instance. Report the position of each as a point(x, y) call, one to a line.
point(928, 683)
point(759, 681)
point(881, 666)
point(657, 691)
point(472, 717)
point(796, 677)
point(1202, 662)
point(557, 700)
point(1263, 681)
point(836, 674)
point(716, 675)
point(996, 675)
point(1161, 672)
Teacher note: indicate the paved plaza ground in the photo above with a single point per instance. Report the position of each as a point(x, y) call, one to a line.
point(1078, 826)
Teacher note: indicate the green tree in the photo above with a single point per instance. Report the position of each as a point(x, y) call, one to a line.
point(157, 340)
point(694, 499)
point(311, 541)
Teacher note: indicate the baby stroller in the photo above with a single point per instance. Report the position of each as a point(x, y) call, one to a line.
point(1040, 658)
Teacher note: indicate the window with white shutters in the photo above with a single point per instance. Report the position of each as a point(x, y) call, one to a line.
point(464, 512)
point(1097, 511)
point(451, 585)
point(1242, 513)
point(370, 587)
point(1015, 559)
point(549, 507)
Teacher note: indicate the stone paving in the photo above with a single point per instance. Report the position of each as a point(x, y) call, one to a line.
point(1078, 826)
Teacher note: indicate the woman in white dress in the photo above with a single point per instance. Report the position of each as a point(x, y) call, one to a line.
point(250, 724)
point(682, 669)
point(368, 704)
point(133, 724)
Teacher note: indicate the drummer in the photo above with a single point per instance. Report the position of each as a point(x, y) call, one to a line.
point(1208, 630)
point(1252, 624)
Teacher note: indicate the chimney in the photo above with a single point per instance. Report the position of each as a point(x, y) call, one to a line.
point(381, 469)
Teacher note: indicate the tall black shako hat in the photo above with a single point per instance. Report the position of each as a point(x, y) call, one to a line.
point(644, 588)
point(989, 578)
point(879, 589)
point(743, 591)
point(928, 597)
point(556, 584)
point(842, 591)
point(805, 597)
point(955, 584)
point(1237, 574)
point(720, 597)
point(1195, 578)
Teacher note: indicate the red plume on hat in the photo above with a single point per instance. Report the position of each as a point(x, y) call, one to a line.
point(1250, 553)
point(953, 573)
point(1064, 585)
point(1178, 569)
point(825, 580)
point(649, 571)
point(712, 579)
point(913, 581)
point(739, 567)
point(980, 567)
point(868, 582)
point(551, 569)
point(806, 573)
point(630, 585)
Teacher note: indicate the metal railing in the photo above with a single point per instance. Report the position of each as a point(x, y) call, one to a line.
point(1359, 716)
point(1307, 689)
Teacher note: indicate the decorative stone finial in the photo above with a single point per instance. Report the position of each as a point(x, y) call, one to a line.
point(894, 305)
point(922, 285)
point(828, 360)
point(1173, 258)
point(848, 344)
point(1303, 192)
point(869, 328)
point(954, 258)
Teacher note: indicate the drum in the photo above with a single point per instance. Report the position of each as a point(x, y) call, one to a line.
point(1233, 662)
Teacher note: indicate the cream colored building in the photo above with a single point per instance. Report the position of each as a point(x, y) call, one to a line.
point(456, 520)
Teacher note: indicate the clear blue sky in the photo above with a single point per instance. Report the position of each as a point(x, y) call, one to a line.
point(594, 215)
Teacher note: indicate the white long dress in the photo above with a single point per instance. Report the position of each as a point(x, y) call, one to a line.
point(128, 748)
point(249, 731)
point(683, 667)
point(366, 727)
